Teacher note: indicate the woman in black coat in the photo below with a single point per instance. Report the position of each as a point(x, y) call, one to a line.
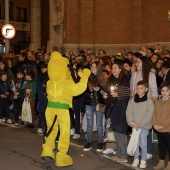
point(117, 95)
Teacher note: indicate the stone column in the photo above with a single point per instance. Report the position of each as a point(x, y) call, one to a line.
point(56, 26)
point(35, 25)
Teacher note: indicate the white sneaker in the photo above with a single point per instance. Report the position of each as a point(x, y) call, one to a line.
point(1, 121)
point(149, 156)
point(135, 163)
point(40, 131)
point(142, 164)
point(9, 121)
point(108, 151)
point(16, 124)
point(72, 131)
point(76, 136)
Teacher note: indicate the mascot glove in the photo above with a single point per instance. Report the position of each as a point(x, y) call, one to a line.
point(85, 74)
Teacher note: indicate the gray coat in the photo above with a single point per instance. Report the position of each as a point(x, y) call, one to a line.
point(140, 113)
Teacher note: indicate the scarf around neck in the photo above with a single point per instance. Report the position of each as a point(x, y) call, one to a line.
point(137, 99)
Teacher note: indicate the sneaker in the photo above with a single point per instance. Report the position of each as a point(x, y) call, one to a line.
point(76, 136)
point(114, 152)
point(99, 147)
point(142, 164)
point(72, 131)
point(135, 163)
point(40, 131)
point(87, 147)
point(1, 121)
point(16, 124)
point(114, 158)
point(9, 121)
point(122, 160)
point(108, 151)
point(149, 156)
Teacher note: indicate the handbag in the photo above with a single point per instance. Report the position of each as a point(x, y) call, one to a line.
point(100, 107)
point(26, 115)
point(133, 143)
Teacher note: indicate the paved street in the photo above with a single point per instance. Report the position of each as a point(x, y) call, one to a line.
point(20, 149)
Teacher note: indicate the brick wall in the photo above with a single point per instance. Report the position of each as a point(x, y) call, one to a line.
point(71, 21)
point(116, 22)
point(155, 25)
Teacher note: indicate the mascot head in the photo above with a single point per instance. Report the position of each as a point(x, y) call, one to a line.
point(58, 67)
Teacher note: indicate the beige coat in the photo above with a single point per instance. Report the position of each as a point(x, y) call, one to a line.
point(161, 115)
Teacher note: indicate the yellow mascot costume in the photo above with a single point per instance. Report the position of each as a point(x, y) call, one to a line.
point(60, 90)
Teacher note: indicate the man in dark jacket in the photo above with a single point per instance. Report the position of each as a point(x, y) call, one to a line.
point(166, 71)
point(22, 62)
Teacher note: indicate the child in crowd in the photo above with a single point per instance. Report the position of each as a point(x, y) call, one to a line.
point(30, 93)
point(42, 97)
point(18, 97)
point(139, 115)
point(161, 123)
point(5, 91)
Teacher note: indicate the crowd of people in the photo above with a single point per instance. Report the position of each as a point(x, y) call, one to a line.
point(126, 91)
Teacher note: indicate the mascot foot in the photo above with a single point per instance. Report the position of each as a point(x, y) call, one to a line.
point(47, 154)
point(63, 160)
point(47, 158)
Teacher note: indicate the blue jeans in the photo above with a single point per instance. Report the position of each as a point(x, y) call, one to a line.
point(142, 143)
point(41, 119)
point(90, 110)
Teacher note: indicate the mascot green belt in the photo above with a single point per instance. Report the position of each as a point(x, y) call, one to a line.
point(60, 90)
